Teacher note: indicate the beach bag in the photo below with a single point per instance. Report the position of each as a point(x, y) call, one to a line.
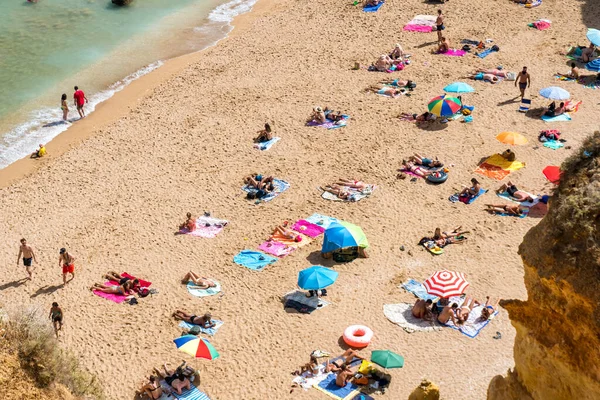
point(144, 292)
point(346, 255)
point(411, 85)
point(466, 47)
point(495, 48)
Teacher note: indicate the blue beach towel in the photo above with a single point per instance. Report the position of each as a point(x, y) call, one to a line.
point(208, 331)
point(418, 290)
point(192, 394)
point(372, 8)
point(507, 196)
point(525, 213)
point(196, 291)
point(553, 144)
point(280, 187)
point(328, 384)
point(456, 198)
point(485, 53)
point(322, 220)
point(558, 118)
point(254, 260)
point(266, 145)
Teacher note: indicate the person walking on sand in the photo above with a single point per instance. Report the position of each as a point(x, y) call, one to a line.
point(64, 106)
point(28, 256)
point(66, 261)
point(56, 316)
point(80, 100)
point(524, 81)
point(439, 24)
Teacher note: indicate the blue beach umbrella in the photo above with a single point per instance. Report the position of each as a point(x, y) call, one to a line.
point(341, 235)
point(555, 93)
point(593, 36)
point(316, 277)
point(459, 87)
point(593, 65)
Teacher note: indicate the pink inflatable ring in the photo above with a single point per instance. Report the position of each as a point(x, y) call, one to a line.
point(358, 336)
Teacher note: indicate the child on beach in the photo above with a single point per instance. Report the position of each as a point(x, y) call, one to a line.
point(41, 152)
point(56, 315)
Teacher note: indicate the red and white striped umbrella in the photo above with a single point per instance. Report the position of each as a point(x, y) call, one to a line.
point(446, 284)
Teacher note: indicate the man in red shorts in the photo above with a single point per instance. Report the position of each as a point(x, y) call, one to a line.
point(80, 100)
point(66, 261)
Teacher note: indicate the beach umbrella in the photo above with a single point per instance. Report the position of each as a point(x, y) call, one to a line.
point(444, 106)
point(196, 347)
point(316, 277)
point(511, 138)
point(387, 359)
point(446, 284)
point(593, 65)
point(555, 93)
point(593, 36)
point(552, 173)
point(459, 87)
point(342, 234)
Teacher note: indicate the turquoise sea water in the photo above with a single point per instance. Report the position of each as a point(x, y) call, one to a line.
point(48, 47)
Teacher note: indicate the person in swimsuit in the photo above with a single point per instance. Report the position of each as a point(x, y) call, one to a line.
point(344, 376)
point(204, 321)
point(397, 53)
point(56, 316)
point(425, 117)
point(493, 71)
point(448, 314)
point(265, 135)
point(199, 281)
point(352, 183)
point(418, 170)
point(439, 27)
point(443, 242)
point(426, 162)
point(28, 254)
point(66, 261)
point(189, 224)
point(385, 90)
point(462, 315)
point(560, 110)
point(480, 76)
point(260, 182)
point(587, 53)
point(514, 192)
point(510, 209)
point(524, 81)
point(152, 389)
point(115, 276)
point(175, 378)
point(438, 234)
point(124, 290)
point(489, 309)
point(64, 106)
point(572, 74)
point(383, 63)
point(285, 232)
point(422, 309)
point(444, 46)
point(473, 190)
point(318, 116)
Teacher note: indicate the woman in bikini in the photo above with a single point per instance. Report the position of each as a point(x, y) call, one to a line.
point(204, 321)
point(438, 234)
point(514, 192)
point(473, 190)
point(175, 378)
point(511, 209)
point(199, 281)
point(489, 309)
point(115, 276)
point(152, 389)
point(124, 289)
point(418, 170)
point(317, 116)
point(462, 315)
point(287, 233)
point(340, 192)
point(426, 162)
point(397, 53)
point(64, 106)
point(265, 135)
point(385, 90)
point(189, 224)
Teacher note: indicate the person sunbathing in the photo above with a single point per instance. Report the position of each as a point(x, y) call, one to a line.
point(175, 378)
point(397, 53)
point(447, 314)
point(443, 242)
point(588, 53)
point(199, 281)
point(115, 276)
point(573, 73)
point(471, 191)
point(489, 309)
point(438, 234)
point(509, 155)
point(317, 116)
point(514, 192)
point(418, 170)
point(340, 192)
point(422, 309)
point(353, 183)
point(123, 290)
point(561, 109)
point(333, 116)
point(492, 71)
point(462, 314)
point(385, 90)
point(285, 232)
point(425, 117)
point(313, 367)
point(260, 182)
point(204, 321)
point(383, 63)
point(444, 46)
point(426, 162)
point(510, 209)
point(189, 224)
point(152, 389)
point(348, 356)
point(265, 135)
point(480, 76)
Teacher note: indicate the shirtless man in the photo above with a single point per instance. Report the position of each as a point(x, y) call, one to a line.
point(66, 261)
point(573, 73)
point(444, 46)
point(524, 81)
point(448, 314)
point(494, 71)
point(586, 54)
point(439, 23)
point(514, 192)
point(204, 321)
point(344, 376)
point(422, 309)
point(510, 209)
point(480, 76)
point(28, 256)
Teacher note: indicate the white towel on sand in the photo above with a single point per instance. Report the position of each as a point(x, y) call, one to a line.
point(401, 315)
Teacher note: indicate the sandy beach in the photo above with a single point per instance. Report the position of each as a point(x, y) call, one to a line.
point(115, 187)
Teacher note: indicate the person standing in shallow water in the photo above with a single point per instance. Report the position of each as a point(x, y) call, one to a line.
point(80, 100)
point(28, 256)
point(64, 106)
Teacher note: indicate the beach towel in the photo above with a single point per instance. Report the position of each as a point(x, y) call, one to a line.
point(278, 237)
point(559, 118)
point(553, 144)
point(433, 248)
point(373, 8)
point(330, 124)
point(208, 331)
point(275, 248)
point(552, 173)
point(535, 3)
point(211, 231)
point(192, 394)
point(354, 194)
point(454, 53)
point(266, 145)
point(525, 105)
point(563, 78)
point(473, 325)
point(485, 53)
point(117, 298)
point(541, 24)
point(196, 291)
point(330, 388)
point(421, 23)
point(523, 215)
point(466, 199)
point(280, 187)
point(321, 220)
point(308, 228)
point(507, 196)
point(589, 82)
point(401, 315)
point(497, 167)
point(143, 283)
point(254, 260)
point(385, 93)
point(297, 300)
point(417, 288)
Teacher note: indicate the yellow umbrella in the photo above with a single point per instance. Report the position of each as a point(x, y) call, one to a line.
point(511, 138)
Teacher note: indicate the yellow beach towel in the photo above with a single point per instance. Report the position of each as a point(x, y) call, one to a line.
point(499, 161)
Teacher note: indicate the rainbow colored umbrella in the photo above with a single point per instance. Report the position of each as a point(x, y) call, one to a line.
point(444, 106)
point(341, 235)
point(196, 347)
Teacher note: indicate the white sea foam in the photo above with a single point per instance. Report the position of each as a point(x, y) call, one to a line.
point(45, 124)
point(228, 11)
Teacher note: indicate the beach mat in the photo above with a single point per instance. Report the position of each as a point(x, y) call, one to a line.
point(497, 167)
point(421, 23)
point(466, 199)
point(208, 331)
point(193, 394)
point(330, 388)
point(417, 288)
point(197, 292)
point(322, 220)
point(254, 260)
point(454, 53)
point(278, 237)
point(433, 248)
point(308, 228)
point(275, 248)
point(373, 8)
point(117, 298)
point(209, 232)
point(330, 124)
point(279, 185)
point(553, 144)
point(559, 118)
point(474, 324)
point(266, 145)
point(297, 300)
point(485, 53)
point(401, 315)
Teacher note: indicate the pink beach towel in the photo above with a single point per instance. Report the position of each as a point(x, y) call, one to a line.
point(417, 28)
point(454, 53)
point(275, 248)
point(143, 283)
point(117, 298)
point(542, 25)
point(209, 232)
point(308, 228)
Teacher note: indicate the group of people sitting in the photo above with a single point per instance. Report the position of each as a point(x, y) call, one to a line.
point(321, 116)
point(420, 166)
point(263, 185)
point(176, 380)
point(553, 111)
point(443, 311)
point(347, 189)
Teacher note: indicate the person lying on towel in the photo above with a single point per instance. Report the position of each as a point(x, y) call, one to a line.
point(426, 162)
point(199, 281)
point(175, 378)
point(510, 209)
point(418, 170)
point(124, 289)
point(480, 76)
point(114, 276)
point(287, 233)
point(385, 90)
point(438, 234)
point(514, 192)
point(204, 321)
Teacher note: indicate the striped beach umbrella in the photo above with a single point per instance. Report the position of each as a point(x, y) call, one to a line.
point(444, 106)
point(196, 347)
point(446, 284)
point(593, 65)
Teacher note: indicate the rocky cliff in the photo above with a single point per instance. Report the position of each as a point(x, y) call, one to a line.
point(557, 347)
